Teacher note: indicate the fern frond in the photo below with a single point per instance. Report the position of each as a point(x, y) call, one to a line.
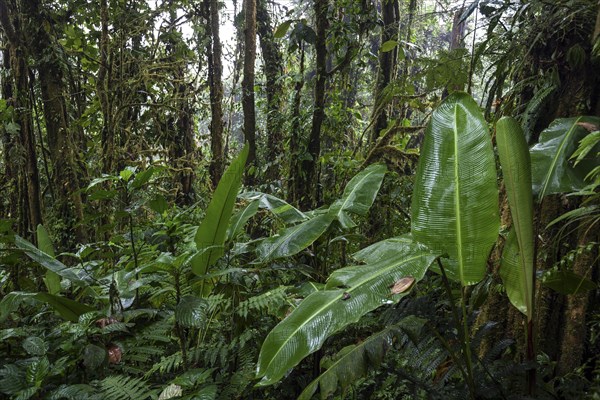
point(125, 388)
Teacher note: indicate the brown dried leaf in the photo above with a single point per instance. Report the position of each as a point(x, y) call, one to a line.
point(403, 284)
point(588, 126)
point(114, 354)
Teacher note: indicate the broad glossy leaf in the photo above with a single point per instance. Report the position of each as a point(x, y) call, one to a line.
point(567, 282)
point(280, 208)
point(213, 229)
point(381, 250)
point(350, 293)
point(455, 198)
point(35, 346)
point(517, 274)
point(69, 309)
point(552, 172)
point(239, 219)
point(45, 260)
point(294, 239)
point(354, 361)
point(191, 312)
point(52, 279)
point(359, 194)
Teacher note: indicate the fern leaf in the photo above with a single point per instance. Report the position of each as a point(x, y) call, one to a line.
point(125, 388)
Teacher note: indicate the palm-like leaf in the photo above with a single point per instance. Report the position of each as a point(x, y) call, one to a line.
point(52, 279)
point(455, 200)
point(211, 234)
point(350, 293)
point(517, 273)
point(551, 170)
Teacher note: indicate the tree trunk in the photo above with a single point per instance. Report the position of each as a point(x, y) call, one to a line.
point(27, 175)
point(386, 66)
point(248, 87)
point(293, 192)
point(215, 82)
point(273, 69)
point(308, 178)
point(62, 152)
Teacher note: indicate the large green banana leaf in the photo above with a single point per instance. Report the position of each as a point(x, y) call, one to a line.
point(517, 260)
point(455, 198)
point(213, 229)
point(350, 293)
point(353, 362)
point(294, 239)
point(551, 170)
point(280, 208)
point(239, 219)
point(359, 194)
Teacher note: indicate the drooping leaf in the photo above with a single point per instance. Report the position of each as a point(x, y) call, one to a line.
point(359, 194)
point(350, 293)
point(45, 260)
point(239, 219)
point(282, 29)
point(353, 362)
point(551, 170)
point(455, 198)
point(280, 208)
point(52, 279)
point(567, 282)
point(213, 229)
point(191, 312)
point(294, 239)
point(517, 274)
point(66, 308)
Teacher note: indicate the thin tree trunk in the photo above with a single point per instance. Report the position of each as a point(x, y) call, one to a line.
point(248, 86)
point(308, 178)
point(273, 69)
point(385, 70)
point(294, 166)
point(215, 81)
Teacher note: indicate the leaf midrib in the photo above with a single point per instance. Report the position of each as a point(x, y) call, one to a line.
point(337, 298)
point(555, 160)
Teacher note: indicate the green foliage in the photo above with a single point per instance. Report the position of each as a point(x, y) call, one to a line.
point(350, 293)
point(455, 199)
point(212, 232)
point(517, 270)
point(551, 170)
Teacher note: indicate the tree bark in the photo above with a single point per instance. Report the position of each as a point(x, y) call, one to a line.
point(293, 192)
point(215, 82)
point(27, 174)
point(62, 152)
point(308, 182)
point(248, 87)
point(386, 66)
point(273, 69)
